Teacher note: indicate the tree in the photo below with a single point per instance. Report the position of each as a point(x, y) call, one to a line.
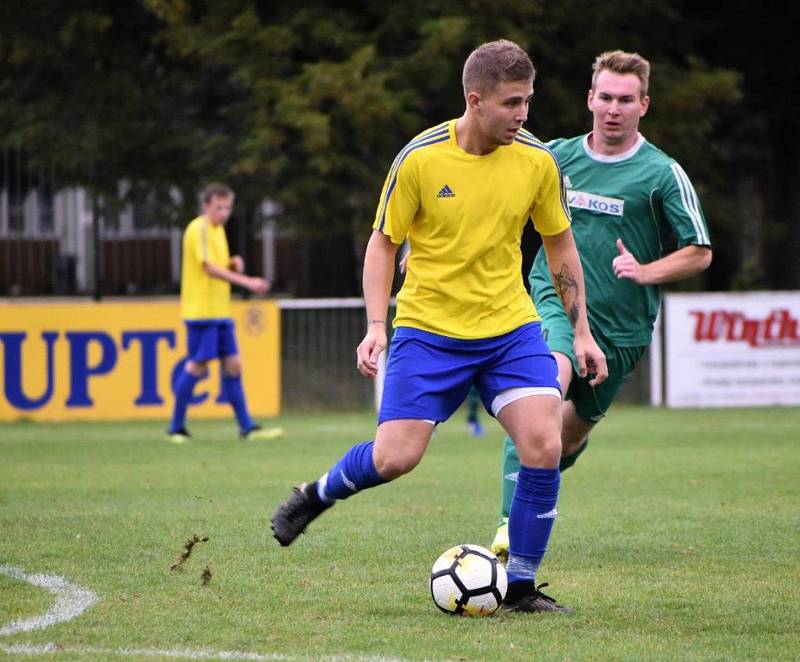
point(307, 104)
point(85, 89)
point(761, 139)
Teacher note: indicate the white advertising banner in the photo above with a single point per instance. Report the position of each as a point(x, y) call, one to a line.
point(732, 350)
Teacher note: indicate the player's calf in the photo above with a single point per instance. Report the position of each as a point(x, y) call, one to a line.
point(567, 460)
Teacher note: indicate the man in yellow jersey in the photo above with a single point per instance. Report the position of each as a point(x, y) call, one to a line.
point(206, 277)
point(462, 193)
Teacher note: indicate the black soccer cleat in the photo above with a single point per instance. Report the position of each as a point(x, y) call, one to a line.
point(527, 597)
point(292, 517)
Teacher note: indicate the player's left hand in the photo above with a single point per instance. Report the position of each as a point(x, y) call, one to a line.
point(625, 265)
point(258, 285)
point(403, 266)
point(237, 264)
point(591, 359)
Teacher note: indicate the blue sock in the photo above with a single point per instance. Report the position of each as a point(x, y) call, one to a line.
point(533, 513)
point(354, 472)
point(232, 388)
point(184, 386)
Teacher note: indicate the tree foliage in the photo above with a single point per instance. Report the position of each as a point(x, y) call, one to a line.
point(306, 104)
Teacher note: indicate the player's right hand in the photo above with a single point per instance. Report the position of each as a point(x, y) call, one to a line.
point(258, 285)
point(590, 358)
point(369, 350)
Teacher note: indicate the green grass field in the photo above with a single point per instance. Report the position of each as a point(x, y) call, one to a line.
point(678, 537)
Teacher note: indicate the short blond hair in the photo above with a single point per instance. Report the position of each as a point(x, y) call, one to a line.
point(621, 62)
point(496, 62)
point(215, 190)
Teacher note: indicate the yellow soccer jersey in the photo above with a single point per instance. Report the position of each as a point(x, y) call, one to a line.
point(204, 297)
point(464, 215)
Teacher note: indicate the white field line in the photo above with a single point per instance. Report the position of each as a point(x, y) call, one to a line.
point(71, 601)
point(182, 653)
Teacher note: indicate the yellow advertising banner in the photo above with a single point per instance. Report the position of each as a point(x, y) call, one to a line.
point(64, 361)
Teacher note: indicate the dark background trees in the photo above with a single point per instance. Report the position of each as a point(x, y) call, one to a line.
point(306, 104)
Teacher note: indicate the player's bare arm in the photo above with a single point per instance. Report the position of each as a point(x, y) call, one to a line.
point(379, 264)
point(567, 274)
point(254, 284)
point(683, 263)
point(567, 290)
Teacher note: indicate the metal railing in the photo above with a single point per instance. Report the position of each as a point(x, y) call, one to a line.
point(318, 358)
point(318, 355)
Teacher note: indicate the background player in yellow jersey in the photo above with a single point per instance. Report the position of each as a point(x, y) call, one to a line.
point(206, 275)
point(462, 193)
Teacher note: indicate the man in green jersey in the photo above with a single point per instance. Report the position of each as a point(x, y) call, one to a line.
point(626, 196)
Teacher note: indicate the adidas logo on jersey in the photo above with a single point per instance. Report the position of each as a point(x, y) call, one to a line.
point(567, 181)
point(446, 192)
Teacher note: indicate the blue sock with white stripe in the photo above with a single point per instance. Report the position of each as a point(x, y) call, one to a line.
point(232, 388)
point(533, 513)
point(354, 472)
point(184, 386)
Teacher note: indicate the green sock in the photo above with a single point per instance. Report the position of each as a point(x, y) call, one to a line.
point(510, 469)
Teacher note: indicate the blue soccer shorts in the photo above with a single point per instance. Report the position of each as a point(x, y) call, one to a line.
point(428, 376)
point(210, 339)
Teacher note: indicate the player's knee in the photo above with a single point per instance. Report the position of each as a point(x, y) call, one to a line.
point(232, 366)
point(550, 445)
point(196, 368)
point(540, 448)
point(394, 465)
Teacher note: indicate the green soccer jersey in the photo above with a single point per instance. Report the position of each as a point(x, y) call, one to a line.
point(641, 197)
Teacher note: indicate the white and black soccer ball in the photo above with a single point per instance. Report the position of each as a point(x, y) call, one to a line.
point(468, 580)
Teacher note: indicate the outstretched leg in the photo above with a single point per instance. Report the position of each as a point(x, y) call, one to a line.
point(398, 447)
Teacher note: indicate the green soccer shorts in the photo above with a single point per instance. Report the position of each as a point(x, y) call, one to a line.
point(591, 403)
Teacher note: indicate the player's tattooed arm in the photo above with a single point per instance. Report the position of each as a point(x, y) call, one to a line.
point(568, 291)
point(568, 281)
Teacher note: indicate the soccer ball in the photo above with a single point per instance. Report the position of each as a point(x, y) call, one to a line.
point(468, 580)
